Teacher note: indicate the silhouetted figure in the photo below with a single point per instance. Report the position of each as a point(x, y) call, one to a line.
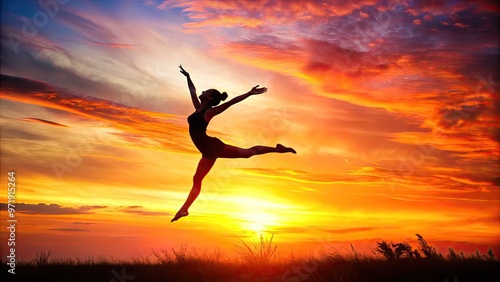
point(212, 148)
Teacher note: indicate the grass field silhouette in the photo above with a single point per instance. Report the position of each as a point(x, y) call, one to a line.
point(259, 260)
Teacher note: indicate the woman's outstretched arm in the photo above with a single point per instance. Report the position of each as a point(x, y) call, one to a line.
point(219, 109)
point(192, 89)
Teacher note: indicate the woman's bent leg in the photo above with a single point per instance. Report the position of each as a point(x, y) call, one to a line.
point(203, 168)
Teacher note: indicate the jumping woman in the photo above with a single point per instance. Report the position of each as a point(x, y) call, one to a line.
point(212, 148)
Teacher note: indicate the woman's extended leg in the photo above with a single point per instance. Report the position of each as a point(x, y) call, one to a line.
point(235, 152)
point(204, 167)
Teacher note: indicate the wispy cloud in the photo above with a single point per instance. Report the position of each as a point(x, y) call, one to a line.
point(113, 45)
point(42, 121)
point(53, 209)
point(88, 28)
point(139, 210)
point(351, 230)
point(313, 178)
point(69, 229)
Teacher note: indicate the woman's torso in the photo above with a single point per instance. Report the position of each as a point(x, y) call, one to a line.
point(198, 125)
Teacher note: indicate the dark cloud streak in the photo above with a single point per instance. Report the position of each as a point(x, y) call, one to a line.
point(69, 229)
point(42, 121)
point(52, 209)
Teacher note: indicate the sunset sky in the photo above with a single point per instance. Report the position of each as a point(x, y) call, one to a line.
point(392, 107)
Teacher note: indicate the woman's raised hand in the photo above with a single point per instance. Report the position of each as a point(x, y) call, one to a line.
point(183, 71)
point(256, 90)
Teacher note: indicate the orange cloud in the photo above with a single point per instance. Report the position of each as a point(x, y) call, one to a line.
point(315, 178)
point(164, 129)
point(226, 21)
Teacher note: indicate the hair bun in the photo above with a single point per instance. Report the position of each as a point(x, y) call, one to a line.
point(223, 96)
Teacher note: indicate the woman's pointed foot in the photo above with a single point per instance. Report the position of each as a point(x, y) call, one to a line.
point(181, 213)
point(283, 149)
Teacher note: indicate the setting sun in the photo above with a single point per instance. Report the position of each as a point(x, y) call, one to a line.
point(258, 221)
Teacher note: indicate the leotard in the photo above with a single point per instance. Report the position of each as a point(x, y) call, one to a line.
point(210, 147)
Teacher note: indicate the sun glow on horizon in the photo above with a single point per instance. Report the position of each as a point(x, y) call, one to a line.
point(259, 221)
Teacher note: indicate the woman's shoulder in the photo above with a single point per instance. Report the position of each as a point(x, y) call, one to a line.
point(205, 113)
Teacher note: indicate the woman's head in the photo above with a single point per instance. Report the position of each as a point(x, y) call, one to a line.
point(213, 96)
